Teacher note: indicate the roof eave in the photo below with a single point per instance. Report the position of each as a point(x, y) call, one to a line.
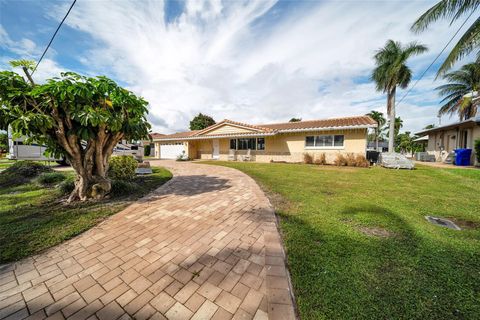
point(261, 134)
point(475, 120)
point(245, 135)
point(367, 126)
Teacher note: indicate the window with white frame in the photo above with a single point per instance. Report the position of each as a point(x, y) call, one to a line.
point(247, 143)
point(325, 141)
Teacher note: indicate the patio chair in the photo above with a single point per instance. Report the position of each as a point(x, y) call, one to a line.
point(231, 155)
point(248, 156)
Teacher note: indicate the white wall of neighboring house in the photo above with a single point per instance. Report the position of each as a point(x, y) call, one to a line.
point(442, 142)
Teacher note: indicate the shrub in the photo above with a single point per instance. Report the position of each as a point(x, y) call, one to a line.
point(350, 160)
point(321, 159)
point(183, 156)
point(146, 150)
point(27, 169)
point(122, 168)
point(48, 178)
point(477, 150)
point(67, 185)
point(361, 161)
point(122, 188)
point(307, 158)
point(340, 160)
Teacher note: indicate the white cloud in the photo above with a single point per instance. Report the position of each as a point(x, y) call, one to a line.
point(24, 47)
point(28, 49)
point(215, 59)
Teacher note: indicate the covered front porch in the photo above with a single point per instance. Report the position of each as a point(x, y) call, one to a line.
point(233, 149)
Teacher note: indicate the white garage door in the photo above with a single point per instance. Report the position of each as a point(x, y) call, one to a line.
point(171, 150)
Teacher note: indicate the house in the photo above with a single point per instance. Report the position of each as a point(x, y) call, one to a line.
point(231, 140)
point(444, 139)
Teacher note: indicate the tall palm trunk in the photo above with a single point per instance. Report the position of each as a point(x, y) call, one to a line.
point(376, 137)
point(391, 117)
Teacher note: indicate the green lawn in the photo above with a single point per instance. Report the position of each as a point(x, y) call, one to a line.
point(33, 218)
point(359, 246)
point(5, 163)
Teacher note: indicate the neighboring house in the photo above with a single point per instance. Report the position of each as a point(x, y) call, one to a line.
point(230, 140)
point(443, 140)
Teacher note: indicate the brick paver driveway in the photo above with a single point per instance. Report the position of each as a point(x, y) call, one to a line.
point(205, 245)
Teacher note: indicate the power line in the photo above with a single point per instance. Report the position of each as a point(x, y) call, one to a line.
point(53, 37)
point(434, 60)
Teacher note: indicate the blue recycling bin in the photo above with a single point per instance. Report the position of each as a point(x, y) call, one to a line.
point(462, 157)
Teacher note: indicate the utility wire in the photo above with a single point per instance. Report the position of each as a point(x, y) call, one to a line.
point(53, 37)
point(434, 60)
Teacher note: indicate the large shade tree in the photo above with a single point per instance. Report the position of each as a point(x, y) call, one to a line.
point(392, 71)
point(80, 118)
point(462, 85)
point(380, 120)
point(453, 10)
point(201, 121)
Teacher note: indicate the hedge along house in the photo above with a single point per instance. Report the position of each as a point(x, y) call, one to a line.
point(230, 140)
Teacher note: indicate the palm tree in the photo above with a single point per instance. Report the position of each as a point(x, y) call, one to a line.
point(391, 71)
point(380, 120)
point(453, 10)
point(457, 94)
point(398, 124)
point(406, 143)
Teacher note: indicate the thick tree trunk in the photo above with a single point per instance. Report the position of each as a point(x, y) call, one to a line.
point(391, 117)
point(376, 138)
point(91, 167)
point(89, 184)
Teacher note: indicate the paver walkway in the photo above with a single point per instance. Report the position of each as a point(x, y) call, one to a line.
point(205, 245)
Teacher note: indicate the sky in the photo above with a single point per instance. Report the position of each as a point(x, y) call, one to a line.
point(250, 61)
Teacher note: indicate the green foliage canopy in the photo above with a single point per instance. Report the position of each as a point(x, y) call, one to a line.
point(71, 107)
point(453, 10)
point(477, 149)
point(201, 121)
point(458, 91)
point(3, 142)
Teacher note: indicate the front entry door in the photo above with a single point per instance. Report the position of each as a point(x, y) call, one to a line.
point(216, 149)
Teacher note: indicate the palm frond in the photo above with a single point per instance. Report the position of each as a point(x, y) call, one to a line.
point(450, 107)
point(414, 48)
point(444, 9)
point(465, 7)
point(455, 97)
point(456, 88)
point(465, 45)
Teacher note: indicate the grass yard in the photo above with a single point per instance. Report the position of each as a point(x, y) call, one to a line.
point(359, 246)
point(5, 163)
point(32, 217)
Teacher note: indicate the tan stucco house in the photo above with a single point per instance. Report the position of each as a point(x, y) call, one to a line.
point(231, 140)
point(444, 139)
